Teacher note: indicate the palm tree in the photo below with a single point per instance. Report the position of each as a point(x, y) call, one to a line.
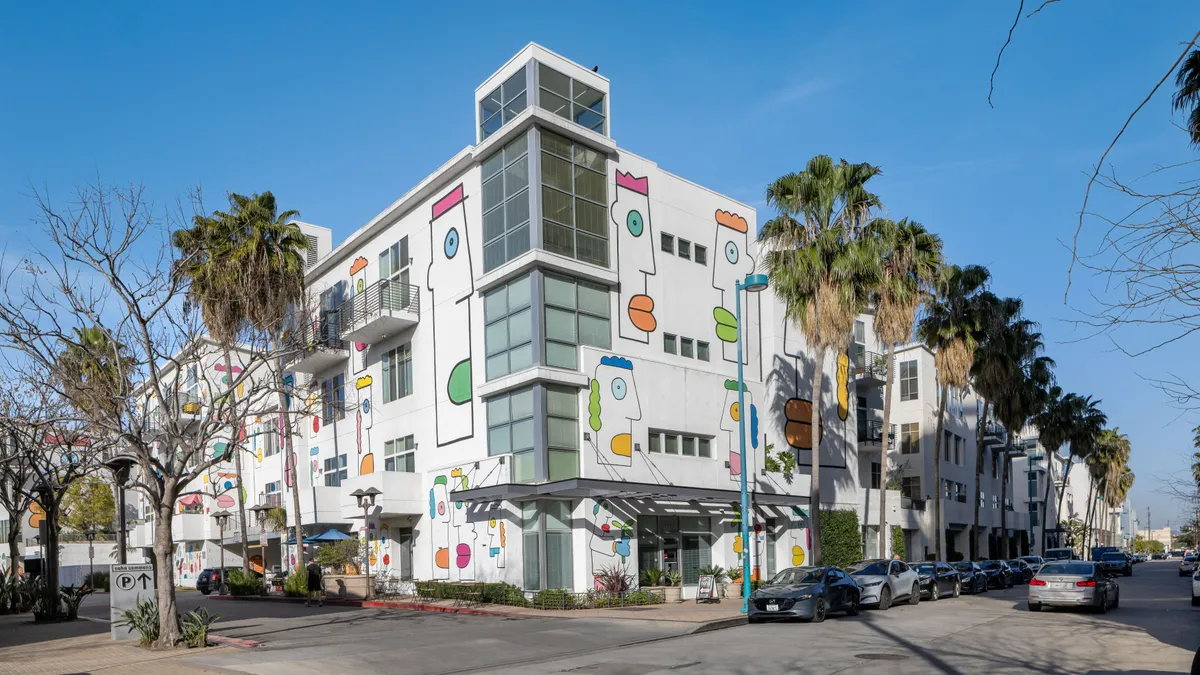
point(1086, 425)
point(912, 257)
point(951, 327)
point(1063, 418)
point(1111, 448)
point(94, 371)
point(822, 266)
point(1187, 98)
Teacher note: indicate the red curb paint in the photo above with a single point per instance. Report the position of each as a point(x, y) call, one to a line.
point(234, 642)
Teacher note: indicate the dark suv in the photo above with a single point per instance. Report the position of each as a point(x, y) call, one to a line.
point(1116, 562)
point(210, 580)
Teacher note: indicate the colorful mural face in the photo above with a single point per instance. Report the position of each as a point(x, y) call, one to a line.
point(358, 284)
point(450, 283)
point(731, 262)
point(608, 538)
point(364, 419)
point(457, 546)
point(731, 414)
point(799, 537)
point(635, 256)
point(613, 407)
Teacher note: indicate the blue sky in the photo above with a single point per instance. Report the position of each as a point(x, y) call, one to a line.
point(339, 110)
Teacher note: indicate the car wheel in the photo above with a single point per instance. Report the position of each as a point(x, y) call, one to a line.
point(818, 611)
point(935, 592)
point(754, 619)
point(885, 598)
point(205, 592)
point(1035, 607)
point(1103, 608)
point(914, 597)
point(853, 609)
point(957, 589)
point(1117, 600)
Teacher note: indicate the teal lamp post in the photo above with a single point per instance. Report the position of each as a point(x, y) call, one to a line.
point(753, 283)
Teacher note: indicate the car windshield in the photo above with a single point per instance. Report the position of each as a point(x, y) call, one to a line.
point(1031, 559)
point(1014, 563)
point(1114, 556)
point(798, 575)
point(925, 568)
point(869, 568)
point(1061, 554)
point(1077, 569)
point(1190, 558)
point(989, 565)
point(963, 566)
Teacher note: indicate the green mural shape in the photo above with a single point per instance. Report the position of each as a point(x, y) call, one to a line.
point(219, 449)
point(458, 387)
point(727, 325)
point(594, 406)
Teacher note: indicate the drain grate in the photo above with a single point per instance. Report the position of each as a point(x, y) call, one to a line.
point(881, 657)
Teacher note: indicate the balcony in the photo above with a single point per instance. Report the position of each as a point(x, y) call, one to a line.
point(190, 527)
point(315, 346)
point(400, 494)
point(384, 308)
point(870, 369)
point(870, 434)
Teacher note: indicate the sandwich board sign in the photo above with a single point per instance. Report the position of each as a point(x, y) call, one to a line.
point(707, 588)
point(130, 584)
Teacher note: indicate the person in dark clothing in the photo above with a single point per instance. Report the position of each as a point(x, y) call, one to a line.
point(315, 584)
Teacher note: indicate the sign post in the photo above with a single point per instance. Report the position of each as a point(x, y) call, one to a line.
point(130, 584)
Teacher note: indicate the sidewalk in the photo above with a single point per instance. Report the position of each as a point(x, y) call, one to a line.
point(77, 647)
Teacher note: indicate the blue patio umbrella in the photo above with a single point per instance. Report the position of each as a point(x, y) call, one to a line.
point(323, 538)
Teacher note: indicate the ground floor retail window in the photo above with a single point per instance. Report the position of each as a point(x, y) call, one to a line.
point(680, 544)
point(546, 542)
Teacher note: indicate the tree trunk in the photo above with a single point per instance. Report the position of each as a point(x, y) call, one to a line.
point(1004, 497)
point(883, 448)
point(235, 442)
point(50, 573)
point(289, 459)
point(814, 490)
point(1046, 502)
point(979, 450)
point(164, 572)
point(1062, 491)
point(939, 533)
point(1087, 519)
point(14, 557)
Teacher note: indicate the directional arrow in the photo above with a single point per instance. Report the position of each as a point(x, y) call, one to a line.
point(125, 582)
point(144, 578)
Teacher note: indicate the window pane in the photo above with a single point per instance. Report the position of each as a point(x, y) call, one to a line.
point(593, 299)
point(705, 450)
point(558, 239)
point(701, 255)
point(560, 325)
point(522, 435)
point(685, 347)
point(514, 85)
point(560, 292)
point(591, 218)
point(556, 172)
point(590, 158)
point(499, 441)
point(586, 97)
point(562, 433)
point(491, 103)
point(520, 327)
point(562, 402)
point(495, 304)
point(493, 223)
point(496, 337)
point(516, 176)
point(655, 443)
point(493, 255)
point(561, 356)
point(516, 211)
point(558, 515)
point(668, 243)
point(668, 343)
point(564, 464)
point(702, 351)
point(518, 239)
point(553, 80)
point(518, 293)
point(672, 444)
point(517, 147)
point(685, 249)
point(497, 410)
point(522, 403)
point(589, 184)
point(557, 206)
point(594, 332)
point(492, 166)
point(591, 249)
point(558, 560)
point(588, 118)
point(689, 446)
point(532, 558)
point(492, 125)
point(497, 366)
point(520, 358)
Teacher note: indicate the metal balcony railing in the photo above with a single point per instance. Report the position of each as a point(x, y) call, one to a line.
point(321, 335)
point(871, 432)
point(382, 297)
point(870, 364)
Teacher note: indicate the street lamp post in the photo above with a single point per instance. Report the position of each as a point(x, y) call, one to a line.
point(120, 467)
point(753, 283)
point(366, 499)
point(91, 537)
point(260, 515)
point(222, 518)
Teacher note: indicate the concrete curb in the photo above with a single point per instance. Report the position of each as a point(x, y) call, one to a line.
point(336, 602)
point(720, 624)
point(422, 607)
point(239, 643)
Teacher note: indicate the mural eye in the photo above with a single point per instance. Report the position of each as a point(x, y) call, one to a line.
point(634, 222)
point(731, 253)
point(451, 245)
point(619, 388)
point(366, 405)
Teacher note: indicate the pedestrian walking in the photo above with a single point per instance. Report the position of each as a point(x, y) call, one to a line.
point(315, 584)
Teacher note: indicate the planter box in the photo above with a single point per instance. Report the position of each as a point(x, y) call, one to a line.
point(347, 586)
point(733, 589)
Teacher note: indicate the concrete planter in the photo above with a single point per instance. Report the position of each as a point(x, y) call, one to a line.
point(672, 594)
point(348, 586)
point(733, 589)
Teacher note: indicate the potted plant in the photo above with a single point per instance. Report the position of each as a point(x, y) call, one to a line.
point(733, 589)
point(673, 590)
point(652, 579)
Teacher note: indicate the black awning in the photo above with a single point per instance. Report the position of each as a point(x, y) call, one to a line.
point(616, 489)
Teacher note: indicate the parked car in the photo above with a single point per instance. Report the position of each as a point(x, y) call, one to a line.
point(1099, 551)
point(885, 581)
point(1073, 584)
point(1115, 562)
point(1035, 562)
point(1187, 566)
point(1158, 556)
point(972, 579)
point(1196, 589)
point(210, 580)
point(1059, 554)
point(999, 575)
point(1021, 570)
point(805, 593)
point(937, 579)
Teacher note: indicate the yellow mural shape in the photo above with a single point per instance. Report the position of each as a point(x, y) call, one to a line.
point(797, 556)
point(622, 445)
point(735, 413)
point(843, 385)
point(368, 465)
point(36, 515)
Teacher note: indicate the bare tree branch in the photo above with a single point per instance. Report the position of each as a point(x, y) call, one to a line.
point(1007, 41)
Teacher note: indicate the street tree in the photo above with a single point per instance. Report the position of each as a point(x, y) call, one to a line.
point(89, 505)
point(16, 472)
point(822, 265)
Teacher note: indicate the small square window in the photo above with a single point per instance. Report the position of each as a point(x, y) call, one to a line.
point(655, 443)
point(685, 347)
point(705, 450)
point(668, 343)
point(672, 444)
point(701, 255)
point(668, 243)
point(685, 249)
point(702, 350)
point(689, 446)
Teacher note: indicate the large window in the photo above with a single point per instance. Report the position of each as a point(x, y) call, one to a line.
point(547, 527)
point(574, 200)
point(910, 486)
point(577, 313)
point(509, 333)
point(910, 438)
point(502, 104)
point(876, 475)
point(397, 373)
point(510, 429)
point(333, 396)
point(571, 99)
point(506, 204)
point(335, 471)
point(393, 268)
point(908, 380)
point(675, 544)
point(562, 432)
point(400, 455)
point(270, 442)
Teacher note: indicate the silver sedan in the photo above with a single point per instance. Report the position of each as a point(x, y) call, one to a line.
point(1076, 583)
point(885, 581)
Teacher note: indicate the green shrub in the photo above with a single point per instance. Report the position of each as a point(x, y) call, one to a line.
point(555, 599)
point(296, 585)
point(143, 620)
point(718, 573)
point(501, 594)
point(195, 627)
point(242, 583)
point(632, 598)
point(71, 597)
point(841, 538)
point(340, 554)
point(898, 542)
point(97, 581)
point(651, 576)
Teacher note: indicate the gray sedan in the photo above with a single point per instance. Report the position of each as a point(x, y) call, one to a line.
point(804, 593)
point(1076, 583)
point(885, 581)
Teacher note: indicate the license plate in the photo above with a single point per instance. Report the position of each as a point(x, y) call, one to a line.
point(1059, 586)
point(772, 607)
